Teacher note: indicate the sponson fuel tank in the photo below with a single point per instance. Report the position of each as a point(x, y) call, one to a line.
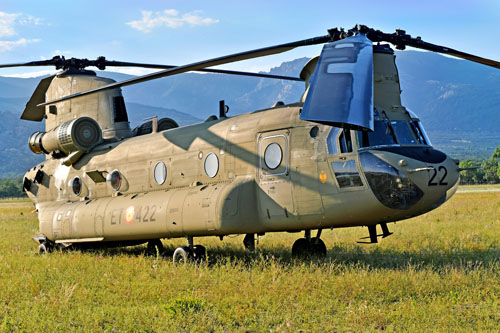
point(203, 209)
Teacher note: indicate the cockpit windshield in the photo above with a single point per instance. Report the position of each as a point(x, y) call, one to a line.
point(393, 132)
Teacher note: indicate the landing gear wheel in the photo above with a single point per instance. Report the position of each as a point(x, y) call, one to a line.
point(318, 247)
point(304, 248)
point(182, 255)
point(45, 248)
point(200, 253)
point(301, 248)
point(155, 248)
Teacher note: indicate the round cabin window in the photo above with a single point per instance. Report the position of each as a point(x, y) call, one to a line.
point(211, 165)
point(160, 173)
point(314, 132)
point(76, 185)
point(273, 156)
point(115, 180)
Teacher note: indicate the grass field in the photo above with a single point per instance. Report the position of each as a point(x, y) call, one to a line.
point(438, 272)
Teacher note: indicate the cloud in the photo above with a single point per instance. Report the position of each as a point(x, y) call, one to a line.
point(7, 22)
point(169, 18)
point(7, 45)
point(61, 53)
point(30, 20)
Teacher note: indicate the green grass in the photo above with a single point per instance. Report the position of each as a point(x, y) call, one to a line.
point(438, 272)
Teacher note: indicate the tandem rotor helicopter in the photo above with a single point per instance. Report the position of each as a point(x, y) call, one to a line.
point(347, 154)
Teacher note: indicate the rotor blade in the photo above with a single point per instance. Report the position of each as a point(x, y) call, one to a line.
point(202, 64)
point(31, 63)
point(206, 70)
point(60, 62)
point(401, 39)
point(459, 54)
point(32, 111)
point(346, 68)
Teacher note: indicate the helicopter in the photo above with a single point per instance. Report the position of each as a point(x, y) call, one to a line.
point(347, 154)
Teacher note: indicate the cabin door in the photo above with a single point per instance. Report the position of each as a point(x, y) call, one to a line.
point(275, 195)
point(344, 160)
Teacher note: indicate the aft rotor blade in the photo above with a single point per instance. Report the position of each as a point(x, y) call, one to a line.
point(202, 64)
point(28, 64)
point(59, 62)
point(206, 70)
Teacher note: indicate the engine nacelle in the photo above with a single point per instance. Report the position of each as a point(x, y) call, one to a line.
point(81, 134)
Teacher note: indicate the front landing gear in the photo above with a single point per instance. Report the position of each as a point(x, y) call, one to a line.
point(190, 253)
point(309, 247)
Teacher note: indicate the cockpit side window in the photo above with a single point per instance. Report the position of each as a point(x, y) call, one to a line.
point(331, 141)
point(421, 136)
point(345, 142)
point(404, 133)
point(339, 138)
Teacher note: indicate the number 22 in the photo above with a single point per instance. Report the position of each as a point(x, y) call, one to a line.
point(434, 172)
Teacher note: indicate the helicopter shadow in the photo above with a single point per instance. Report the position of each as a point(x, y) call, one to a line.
point(424, 258)
point(387, 259)
point(339, 256)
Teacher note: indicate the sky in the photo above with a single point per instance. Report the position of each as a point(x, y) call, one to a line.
point(181, 32)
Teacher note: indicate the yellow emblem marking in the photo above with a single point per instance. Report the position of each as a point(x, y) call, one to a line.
point(322, 176)
point(129, 215)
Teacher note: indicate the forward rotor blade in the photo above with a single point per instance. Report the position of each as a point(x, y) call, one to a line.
point(206, 70)
point(401, 39)
point(202, 64)
point(345, 67)
point(459, 54)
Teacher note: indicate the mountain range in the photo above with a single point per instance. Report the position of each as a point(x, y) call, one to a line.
point(456, 100)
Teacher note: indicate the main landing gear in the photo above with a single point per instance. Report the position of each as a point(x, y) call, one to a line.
point(46, 247)
point(184, 254)
point(155, 248)
point(308, 247)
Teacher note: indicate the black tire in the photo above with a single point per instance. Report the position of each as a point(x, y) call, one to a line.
point(305, 249)
point(318, 247)
point(155, 248)
point(182, 255)
point(45, 248)
point(301, 248)
point(200, 253)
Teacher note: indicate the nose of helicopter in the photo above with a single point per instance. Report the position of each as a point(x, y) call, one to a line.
point(416, 179)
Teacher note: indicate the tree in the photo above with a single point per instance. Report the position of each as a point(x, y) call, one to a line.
point(472, 176)
point(490, 170)
point(11, 188)
point(496, 157)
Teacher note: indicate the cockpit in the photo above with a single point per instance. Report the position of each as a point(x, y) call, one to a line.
point(387, 132)
point(394, 132)
point(401, 134)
